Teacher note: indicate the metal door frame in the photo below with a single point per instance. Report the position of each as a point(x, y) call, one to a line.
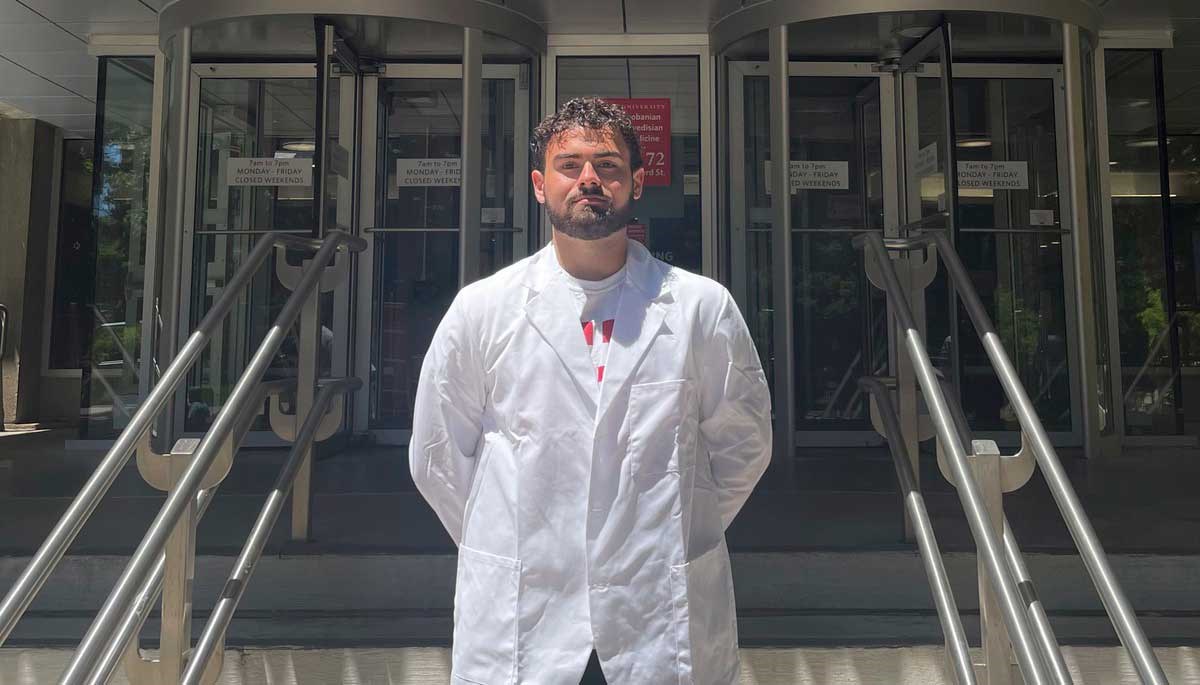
point(1054, 73)
point(738, 71)
point(368, 219)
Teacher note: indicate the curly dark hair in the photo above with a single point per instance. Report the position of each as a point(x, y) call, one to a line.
point(586, 113)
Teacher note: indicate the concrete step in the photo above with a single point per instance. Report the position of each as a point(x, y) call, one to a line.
point(918, 665)
point(785, 598)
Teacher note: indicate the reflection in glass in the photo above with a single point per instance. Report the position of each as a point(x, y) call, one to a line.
point(119, 214)
point(1183, 150)
point(1148, 372)
point(72, 286)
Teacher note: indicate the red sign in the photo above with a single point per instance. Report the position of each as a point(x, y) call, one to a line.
point(636, 232)
point(652, 121)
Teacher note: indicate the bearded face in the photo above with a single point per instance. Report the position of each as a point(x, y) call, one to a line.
point(588, 187)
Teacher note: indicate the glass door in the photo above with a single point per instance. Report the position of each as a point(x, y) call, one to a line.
point(1014, 238)
point(842, 156)
point(253, 136)
point(416, 237)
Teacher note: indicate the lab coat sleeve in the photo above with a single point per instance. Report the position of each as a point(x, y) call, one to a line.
point(447, 419)
point(735, 406)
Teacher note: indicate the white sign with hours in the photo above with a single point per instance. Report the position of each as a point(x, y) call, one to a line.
point(429, 172)
point(268, 171)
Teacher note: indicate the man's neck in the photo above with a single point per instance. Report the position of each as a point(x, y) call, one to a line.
point(590, 260)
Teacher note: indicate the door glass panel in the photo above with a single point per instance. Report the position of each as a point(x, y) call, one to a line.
point(341, 141)
point(839, 319)
point(115, 239)
point(499, 241)
point(1008, 190)
point(756, 141)
point(1149, 370)
point(417, 244)
point(269, 121)
point(836, 192)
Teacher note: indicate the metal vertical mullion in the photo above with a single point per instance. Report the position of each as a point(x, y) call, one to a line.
point(709, 198)
point(89, 317)
point(365, 274)
point(154, 229)
point(781, 263)
point(472, 167)
point(1111, 443)
point(174, 308)
point(324, 52)
point(1169, 294)
point(1081, 232)
point(951, 199)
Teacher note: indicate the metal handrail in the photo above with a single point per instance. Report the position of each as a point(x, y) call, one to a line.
point(1120, 612)
point(989, 547)
point(55, 546)
point(914, 504)
point(90, 650)
point(131, 623)
point(235, 586)
point(1047, 640)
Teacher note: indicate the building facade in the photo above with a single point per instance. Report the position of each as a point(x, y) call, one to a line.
point(146, 150)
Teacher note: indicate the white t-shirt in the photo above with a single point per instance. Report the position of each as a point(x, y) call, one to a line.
point(598, 302)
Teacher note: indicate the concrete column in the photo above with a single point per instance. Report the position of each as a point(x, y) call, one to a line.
point(27, 156)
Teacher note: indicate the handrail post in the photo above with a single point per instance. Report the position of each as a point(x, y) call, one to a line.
point(997, 648)
point(307, 372)
point(988, 544)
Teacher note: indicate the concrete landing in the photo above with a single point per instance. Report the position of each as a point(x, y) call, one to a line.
point(921, 665)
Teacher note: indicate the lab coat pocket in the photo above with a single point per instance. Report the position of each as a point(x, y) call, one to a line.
point(662, 427)
point(485, 618)
point(705, 617)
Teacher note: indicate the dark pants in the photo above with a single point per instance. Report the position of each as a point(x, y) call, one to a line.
point(593, 675)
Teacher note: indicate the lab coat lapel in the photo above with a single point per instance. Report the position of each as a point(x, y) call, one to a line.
point(556, 317)
point(640, 318)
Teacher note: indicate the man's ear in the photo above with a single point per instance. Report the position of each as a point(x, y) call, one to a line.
point(639, 182)
point(539, 185)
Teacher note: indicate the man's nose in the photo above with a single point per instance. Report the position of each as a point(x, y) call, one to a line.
point(588, 175)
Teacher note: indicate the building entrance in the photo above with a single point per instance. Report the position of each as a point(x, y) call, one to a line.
point(867, 154)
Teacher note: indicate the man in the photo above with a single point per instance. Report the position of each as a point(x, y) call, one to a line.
point(588, 423)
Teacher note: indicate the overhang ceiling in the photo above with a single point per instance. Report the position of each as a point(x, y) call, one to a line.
point(46, 71)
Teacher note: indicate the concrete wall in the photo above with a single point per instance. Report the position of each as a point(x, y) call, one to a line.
point(28, 150)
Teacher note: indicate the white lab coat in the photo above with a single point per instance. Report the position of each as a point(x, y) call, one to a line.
point(591, 514)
